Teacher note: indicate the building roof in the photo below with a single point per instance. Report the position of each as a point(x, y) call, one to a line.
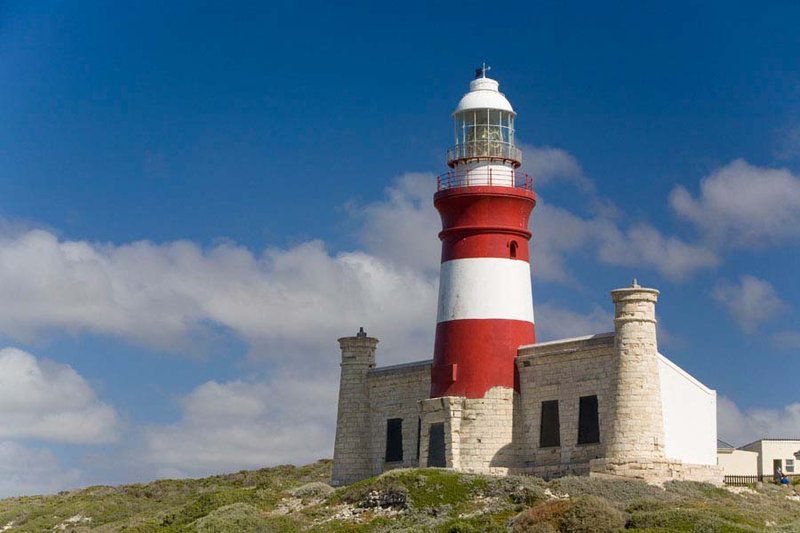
point(484, 93)
point(722, 445)
point(787, 439)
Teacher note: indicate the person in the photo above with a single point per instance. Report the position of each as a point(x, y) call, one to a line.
point(778, 476)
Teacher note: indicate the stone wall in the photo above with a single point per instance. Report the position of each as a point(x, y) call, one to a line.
point(351, 458)
point(395, 392)
point(637, 421)
point(564, 371)
point(478, 431)
point(500, 433)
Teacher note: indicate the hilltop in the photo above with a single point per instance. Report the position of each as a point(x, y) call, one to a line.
point(289, 498)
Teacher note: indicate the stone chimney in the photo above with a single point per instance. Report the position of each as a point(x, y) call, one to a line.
point(636, 431)
point(351, 460)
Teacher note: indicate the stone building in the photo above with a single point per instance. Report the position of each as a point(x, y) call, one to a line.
point(494, 401)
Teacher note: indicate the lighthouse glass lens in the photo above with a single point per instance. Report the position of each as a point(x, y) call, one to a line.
point(484, 133)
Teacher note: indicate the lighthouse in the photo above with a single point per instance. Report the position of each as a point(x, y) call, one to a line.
point(493, 400)
point(485, 309)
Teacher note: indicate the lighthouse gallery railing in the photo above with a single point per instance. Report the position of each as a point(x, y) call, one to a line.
point(492, 176)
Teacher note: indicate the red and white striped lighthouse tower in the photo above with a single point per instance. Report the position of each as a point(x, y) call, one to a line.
point(485, 304)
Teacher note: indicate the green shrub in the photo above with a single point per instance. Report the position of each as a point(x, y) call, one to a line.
point(460, 525)
point(237, 516)
point(207, 503)
point(538, 527)
point(528, 496)
point(426, 488)
point(646, 506)
point(315, 489)
point(584, 514)
point(617, 491)
point(243, 517)
point(535, 518)
point(694, 520)
point(591, 514)
point(483, 523)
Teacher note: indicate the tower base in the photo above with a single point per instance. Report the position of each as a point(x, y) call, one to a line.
point(472, 435)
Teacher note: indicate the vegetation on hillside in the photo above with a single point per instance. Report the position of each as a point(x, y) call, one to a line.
point(288, 498)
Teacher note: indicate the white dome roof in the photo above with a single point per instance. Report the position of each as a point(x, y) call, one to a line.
point(484, 94)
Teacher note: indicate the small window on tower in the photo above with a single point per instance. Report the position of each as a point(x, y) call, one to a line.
point(394, 440)
point(550, 428)
point(513, 249)
point(588, 422)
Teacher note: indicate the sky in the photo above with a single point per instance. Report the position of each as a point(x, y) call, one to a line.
point(197, 199)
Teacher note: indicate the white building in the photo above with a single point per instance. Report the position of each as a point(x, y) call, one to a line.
point(774, 454)
point(736, 462)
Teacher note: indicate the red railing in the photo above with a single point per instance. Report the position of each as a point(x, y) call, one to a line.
point(498, 177)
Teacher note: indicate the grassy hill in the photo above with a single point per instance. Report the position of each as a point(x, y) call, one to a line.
point(288, 498)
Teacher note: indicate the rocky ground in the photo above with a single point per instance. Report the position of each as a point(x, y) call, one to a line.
point(288, 498)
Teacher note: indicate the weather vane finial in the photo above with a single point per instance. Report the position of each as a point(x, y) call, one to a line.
point(481, 72)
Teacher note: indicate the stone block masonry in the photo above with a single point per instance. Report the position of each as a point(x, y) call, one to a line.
point(351, 459)
point(394, 393)
point(478, 432)
point(618, 375)
point(637, 420)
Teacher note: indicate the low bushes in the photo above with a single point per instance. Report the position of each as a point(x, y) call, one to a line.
point(584, 514)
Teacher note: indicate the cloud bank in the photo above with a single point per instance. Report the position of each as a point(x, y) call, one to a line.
point(44, 400)
point(743, 205)
point(740, 427)
point(750, 301)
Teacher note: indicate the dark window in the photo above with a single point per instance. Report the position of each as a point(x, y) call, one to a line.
point(419, 434)
point(588, 422)
point(513, 247)
point(394, 440)
point(436, 446)
point(549, 433)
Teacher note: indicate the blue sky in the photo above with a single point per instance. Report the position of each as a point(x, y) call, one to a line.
point(197, 198)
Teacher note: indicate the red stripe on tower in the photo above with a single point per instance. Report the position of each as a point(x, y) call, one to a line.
point(485, 303)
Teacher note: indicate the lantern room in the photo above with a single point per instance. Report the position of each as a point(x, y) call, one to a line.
point(484, 152)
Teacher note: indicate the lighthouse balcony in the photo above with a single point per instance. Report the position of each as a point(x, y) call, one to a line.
point(484, 149)
point(494, 175)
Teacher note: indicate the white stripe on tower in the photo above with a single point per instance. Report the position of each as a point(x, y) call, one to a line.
point(485, 288)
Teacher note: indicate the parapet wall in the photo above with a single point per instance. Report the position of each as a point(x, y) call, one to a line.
point(395, 392)
point(501, 433)
point(563, 370)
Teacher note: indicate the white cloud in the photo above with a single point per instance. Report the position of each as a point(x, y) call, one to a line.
point(554, 322)
point(644, 246)
point(403, 228)
point(549, 165)
point(246, 424)
point(558, 233)
point(162, 295)
point(743, 205)
point(740, 427)
point(25, 471)
point(751, 301)
point(287, 418)
point(41, 399)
